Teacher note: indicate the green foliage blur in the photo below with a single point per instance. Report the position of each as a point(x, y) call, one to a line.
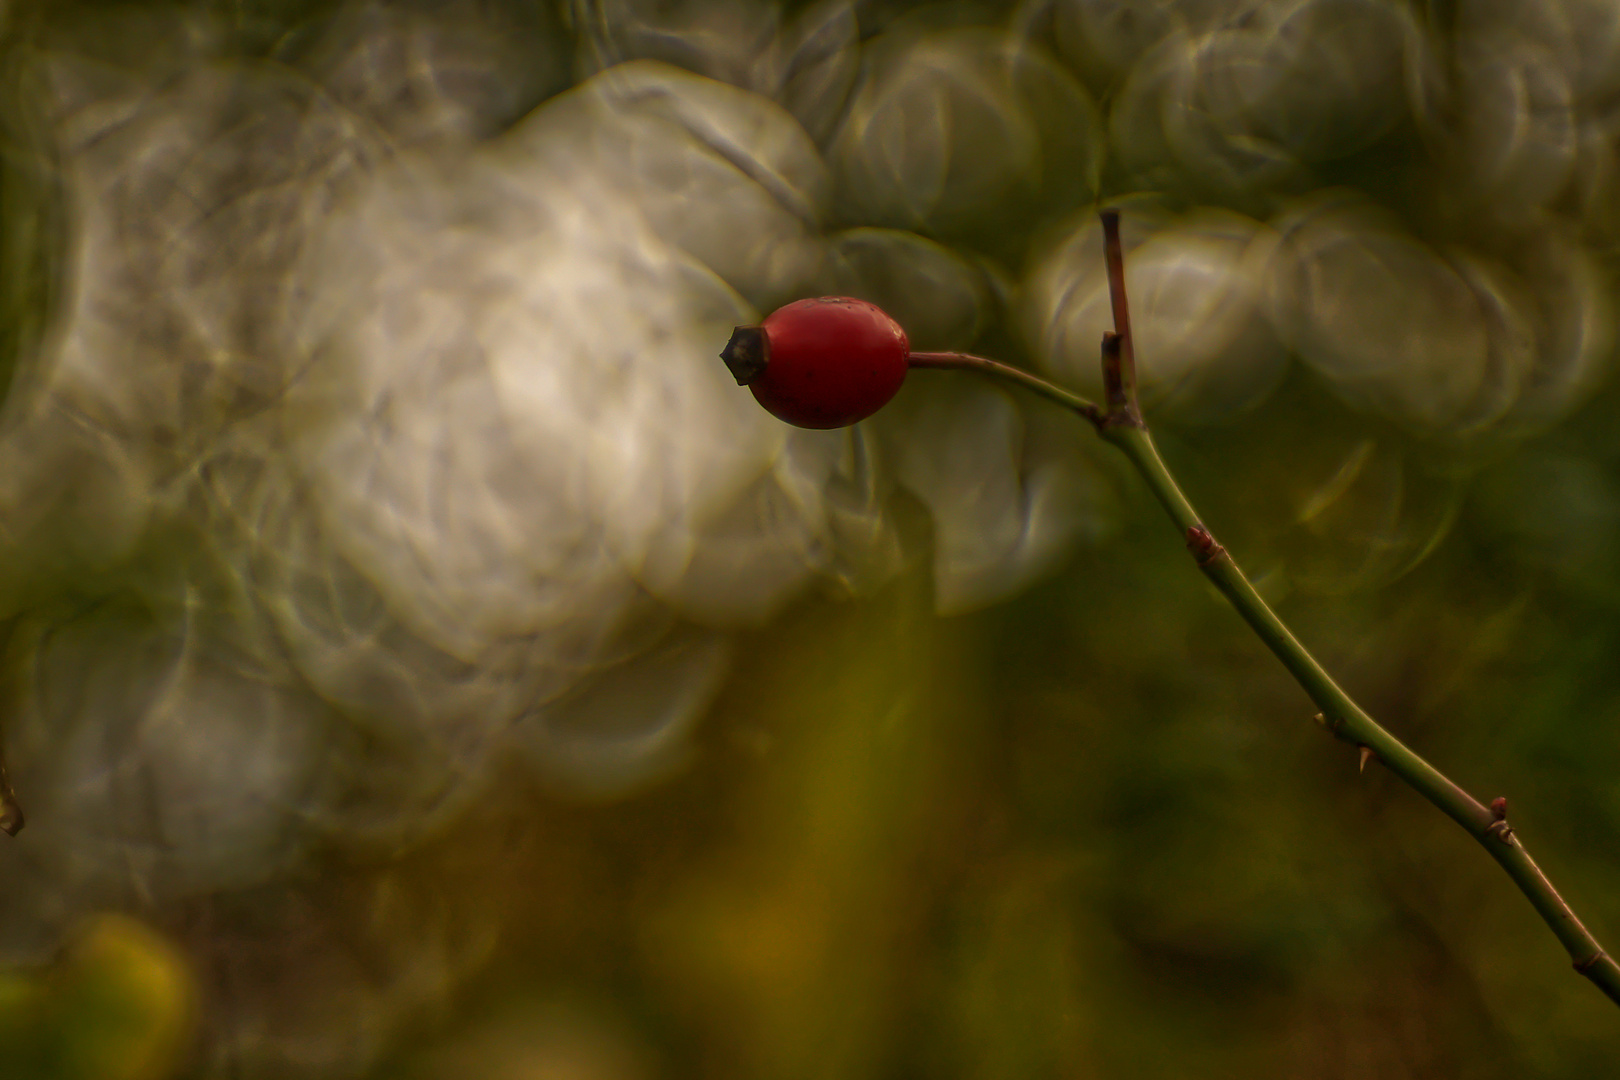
point(1090, 832)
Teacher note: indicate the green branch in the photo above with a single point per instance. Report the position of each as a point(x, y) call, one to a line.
point(1121, 424)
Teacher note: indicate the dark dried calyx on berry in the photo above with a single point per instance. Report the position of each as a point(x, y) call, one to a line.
point(824, 362)
point(747, 353)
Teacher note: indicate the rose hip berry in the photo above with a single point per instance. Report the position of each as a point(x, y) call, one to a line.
point(821, 363)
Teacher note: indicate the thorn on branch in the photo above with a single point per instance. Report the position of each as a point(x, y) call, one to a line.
point(1366, 756)
point(1499, 826)
point(1583, 966)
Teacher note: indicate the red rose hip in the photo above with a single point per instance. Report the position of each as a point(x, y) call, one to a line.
point(821, 363)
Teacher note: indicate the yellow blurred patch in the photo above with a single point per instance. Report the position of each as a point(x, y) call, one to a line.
point(119, 1004)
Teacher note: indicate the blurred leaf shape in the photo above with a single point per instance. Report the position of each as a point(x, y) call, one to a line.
point(1008, 499)
point(163, 763)
point(1166, 140)
point(1371, 521)
point(1198, 284)
point(1581, 37)
point(942, 299)
point(1103, 39)
point(1452, 346)
point(719, 40)
point(719, 173)
point(191, 201)
point(804, 56)
point(628, 724)
point(1506, 129)
point(118, 1004)
point(967, 133)
point(1232, 106)
point(466, 71)
point(1321, 78)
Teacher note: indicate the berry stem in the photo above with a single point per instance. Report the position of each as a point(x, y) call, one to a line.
point(1122, 425)
point(1034, 383)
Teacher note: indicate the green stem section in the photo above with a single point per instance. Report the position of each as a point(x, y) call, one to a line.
point(1341, 715)
point(1348, 721)
point(1007, 373)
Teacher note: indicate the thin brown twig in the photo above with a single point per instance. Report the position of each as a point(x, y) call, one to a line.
point(1119, 347)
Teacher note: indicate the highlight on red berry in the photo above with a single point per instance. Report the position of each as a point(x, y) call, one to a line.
point(826, 362)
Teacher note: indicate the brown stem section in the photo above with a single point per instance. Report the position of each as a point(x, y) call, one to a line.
point(1119, 348)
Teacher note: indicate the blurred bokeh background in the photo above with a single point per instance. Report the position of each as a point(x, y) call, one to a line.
point(421, 662)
